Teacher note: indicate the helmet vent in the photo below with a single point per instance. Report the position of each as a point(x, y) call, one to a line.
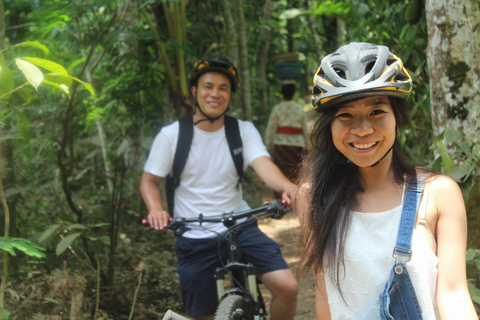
point(369, 66)
point(341, 73)
point(401, 77)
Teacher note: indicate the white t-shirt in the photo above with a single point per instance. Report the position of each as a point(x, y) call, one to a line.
point(209, 179)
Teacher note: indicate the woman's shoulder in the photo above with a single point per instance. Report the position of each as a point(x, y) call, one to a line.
point(445, 194)
point(439, 182)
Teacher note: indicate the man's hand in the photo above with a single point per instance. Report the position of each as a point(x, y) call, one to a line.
point(158, 219)
point(274, 178)
point(289, 194)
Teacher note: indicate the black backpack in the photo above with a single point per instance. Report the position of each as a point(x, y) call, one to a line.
point(185, 136)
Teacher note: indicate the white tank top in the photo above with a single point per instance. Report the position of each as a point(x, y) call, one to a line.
point(368, 261)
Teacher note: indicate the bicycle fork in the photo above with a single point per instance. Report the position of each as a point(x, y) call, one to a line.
point(240, 271)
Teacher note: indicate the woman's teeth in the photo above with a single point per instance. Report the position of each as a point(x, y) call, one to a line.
point(364, 145)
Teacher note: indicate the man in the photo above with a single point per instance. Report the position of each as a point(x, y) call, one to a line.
point(209, 185)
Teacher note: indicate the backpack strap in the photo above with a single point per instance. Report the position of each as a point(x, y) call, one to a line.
point(232, 131)
point(185, 137)
point(402, 251)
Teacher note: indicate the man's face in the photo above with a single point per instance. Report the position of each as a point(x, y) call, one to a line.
point(213, 93)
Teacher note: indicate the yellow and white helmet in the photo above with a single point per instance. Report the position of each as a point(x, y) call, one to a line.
point(356, 71)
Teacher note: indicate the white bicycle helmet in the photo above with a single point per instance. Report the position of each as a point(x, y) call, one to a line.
point(356, 71)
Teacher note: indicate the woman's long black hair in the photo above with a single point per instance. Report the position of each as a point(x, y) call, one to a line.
point(330, 185)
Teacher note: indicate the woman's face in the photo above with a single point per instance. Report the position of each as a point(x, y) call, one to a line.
point(364, 130)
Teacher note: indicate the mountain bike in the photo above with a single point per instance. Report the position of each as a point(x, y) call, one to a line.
point(239, 297)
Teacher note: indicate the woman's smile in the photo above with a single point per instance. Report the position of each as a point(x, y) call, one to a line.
point(363, 145)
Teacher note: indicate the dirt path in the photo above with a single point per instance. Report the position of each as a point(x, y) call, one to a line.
point(287, 232)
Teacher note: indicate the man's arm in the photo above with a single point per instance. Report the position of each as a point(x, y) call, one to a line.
point(274, 178)
point(157, 216)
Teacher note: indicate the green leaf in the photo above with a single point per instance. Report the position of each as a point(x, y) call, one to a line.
point(99, 225)
point(473, 290)
point(447, 162)
point(59, 78)
point(437, 164)
point(50, 300)
point(47, 233)
point(86, 85)
point(47, 64)
point(66, 242)
point(291, 13)
point(474, 293)
point(122, 147)
point(463, 171)
point(6, 81)
point(33, 44)
point(77, 226)
point(62, 87)
point(451, 135)
point(476, 151)
point(26, 93)
point(464, 146)
point(22, 123)
point(31, 72)
point(105, 240)
point(477, 263)
point(5, 314)
point(472, 254)
point(24, 245)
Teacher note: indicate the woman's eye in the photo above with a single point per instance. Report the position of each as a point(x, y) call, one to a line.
point(378, 111)
point(344, 115)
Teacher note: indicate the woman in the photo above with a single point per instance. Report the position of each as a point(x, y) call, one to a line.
point(352, 193)
point(287, 133)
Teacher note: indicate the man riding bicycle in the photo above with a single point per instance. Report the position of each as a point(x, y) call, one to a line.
point(209, 184)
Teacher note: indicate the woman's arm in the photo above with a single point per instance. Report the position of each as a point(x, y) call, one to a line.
point(321, 300)
point(453, 298)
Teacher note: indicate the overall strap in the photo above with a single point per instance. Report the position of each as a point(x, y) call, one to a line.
point(402, 251)
point(232, 131)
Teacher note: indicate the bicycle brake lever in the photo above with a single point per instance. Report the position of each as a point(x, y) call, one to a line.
point(278, 209)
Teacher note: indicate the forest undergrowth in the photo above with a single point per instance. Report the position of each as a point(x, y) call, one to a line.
point(144, 287)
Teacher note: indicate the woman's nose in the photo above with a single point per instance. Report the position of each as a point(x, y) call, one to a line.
point(362, 127)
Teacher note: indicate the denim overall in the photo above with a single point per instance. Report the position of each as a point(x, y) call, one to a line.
point(398, 299)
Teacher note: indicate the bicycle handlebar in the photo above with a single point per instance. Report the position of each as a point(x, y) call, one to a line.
point(275, 210)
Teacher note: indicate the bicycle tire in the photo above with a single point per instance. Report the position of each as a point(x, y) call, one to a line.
point(234, 307)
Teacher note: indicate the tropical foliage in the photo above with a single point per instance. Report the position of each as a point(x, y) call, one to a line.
point(110, 74)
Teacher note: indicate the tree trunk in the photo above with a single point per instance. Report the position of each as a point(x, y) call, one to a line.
point(231, 37)
point(453, 55)
point(243, 68)
point(317, 41)
point(263, 59)
point(454, 58)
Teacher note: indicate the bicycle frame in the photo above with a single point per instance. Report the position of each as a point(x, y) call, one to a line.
point(244, 279)
point(243, 276)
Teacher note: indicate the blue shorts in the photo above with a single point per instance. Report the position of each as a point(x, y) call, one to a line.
point(198, 259)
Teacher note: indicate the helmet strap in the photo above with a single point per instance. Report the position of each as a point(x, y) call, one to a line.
point(376, 163)
point(352, 164)
point(208, 118)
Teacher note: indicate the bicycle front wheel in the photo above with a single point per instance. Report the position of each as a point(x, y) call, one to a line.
point(234, 307)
